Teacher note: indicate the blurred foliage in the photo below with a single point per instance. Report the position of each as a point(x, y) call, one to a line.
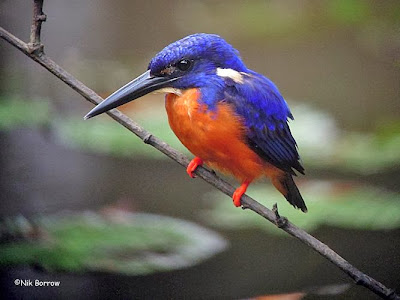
point(326, 146)
point(372, 25)
point(123, 242)
point(323, 146)
point(339, 204)
point(349, 12)
point(102, 137)
point(16, 112)
point(367, 153)
point(105, 136)
point(290, 20)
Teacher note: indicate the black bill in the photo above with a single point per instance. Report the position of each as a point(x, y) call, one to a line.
point(137, 88)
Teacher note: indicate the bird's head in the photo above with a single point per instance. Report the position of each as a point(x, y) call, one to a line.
point(192, 62)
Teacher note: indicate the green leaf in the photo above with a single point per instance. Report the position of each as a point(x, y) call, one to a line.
point(122, 242)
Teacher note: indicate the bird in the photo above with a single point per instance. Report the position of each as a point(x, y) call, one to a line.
point(228, 116)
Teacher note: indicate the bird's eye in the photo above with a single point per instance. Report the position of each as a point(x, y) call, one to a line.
point(184, 64)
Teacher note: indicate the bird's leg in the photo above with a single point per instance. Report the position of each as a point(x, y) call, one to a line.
point(237, 195)
point(192, 166)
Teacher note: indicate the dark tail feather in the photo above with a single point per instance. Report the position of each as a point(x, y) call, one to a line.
point(286, 185)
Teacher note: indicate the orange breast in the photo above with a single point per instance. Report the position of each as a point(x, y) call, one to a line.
point(217, 137)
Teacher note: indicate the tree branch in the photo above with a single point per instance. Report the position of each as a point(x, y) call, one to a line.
point(34, 50)
point(38, 18)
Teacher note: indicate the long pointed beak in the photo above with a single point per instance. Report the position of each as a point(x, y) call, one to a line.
point(137, 88)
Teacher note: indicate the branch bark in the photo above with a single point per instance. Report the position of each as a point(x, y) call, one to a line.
point(34, 50)
point(38, 18)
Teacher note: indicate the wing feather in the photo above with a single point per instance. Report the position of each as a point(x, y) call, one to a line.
point(265, 113)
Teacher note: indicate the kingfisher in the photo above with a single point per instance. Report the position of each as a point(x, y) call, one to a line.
point(230, 117)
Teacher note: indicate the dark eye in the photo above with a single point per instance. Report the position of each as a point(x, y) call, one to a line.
point(184, 64)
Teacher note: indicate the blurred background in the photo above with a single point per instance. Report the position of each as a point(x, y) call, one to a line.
point(88, 204)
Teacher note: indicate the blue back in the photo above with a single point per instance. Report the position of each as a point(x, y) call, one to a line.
point(265, 113)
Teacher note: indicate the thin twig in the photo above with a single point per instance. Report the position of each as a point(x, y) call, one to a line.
point(38, 18)
point(209, 176)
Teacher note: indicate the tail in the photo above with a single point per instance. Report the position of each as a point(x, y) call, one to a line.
point(285, 184)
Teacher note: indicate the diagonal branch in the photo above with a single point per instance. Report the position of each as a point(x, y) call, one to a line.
point(34, 50)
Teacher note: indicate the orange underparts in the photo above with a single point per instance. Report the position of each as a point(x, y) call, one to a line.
point(217, 138)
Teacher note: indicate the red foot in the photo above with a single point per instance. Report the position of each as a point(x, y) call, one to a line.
point(237, 195)
point(197, 161)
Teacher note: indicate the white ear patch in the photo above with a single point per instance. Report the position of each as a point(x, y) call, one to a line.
point(169, 90)
point(230, 73)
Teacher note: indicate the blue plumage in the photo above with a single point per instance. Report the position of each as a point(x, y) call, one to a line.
point(258, 101)
point(249, 135)
point(210, 49)
point(256, 98)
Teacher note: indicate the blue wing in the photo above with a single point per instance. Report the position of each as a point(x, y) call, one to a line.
point(265, 113)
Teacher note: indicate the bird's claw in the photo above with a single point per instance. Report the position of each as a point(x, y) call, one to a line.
point(192, 166)
point(237, 195)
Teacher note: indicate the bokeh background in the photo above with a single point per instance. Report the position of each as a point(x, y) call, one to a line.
point(88, 204)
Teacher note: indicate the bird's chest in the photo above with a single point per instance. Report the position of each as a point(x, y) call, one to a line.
point(207, 134)
point(183, 115)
